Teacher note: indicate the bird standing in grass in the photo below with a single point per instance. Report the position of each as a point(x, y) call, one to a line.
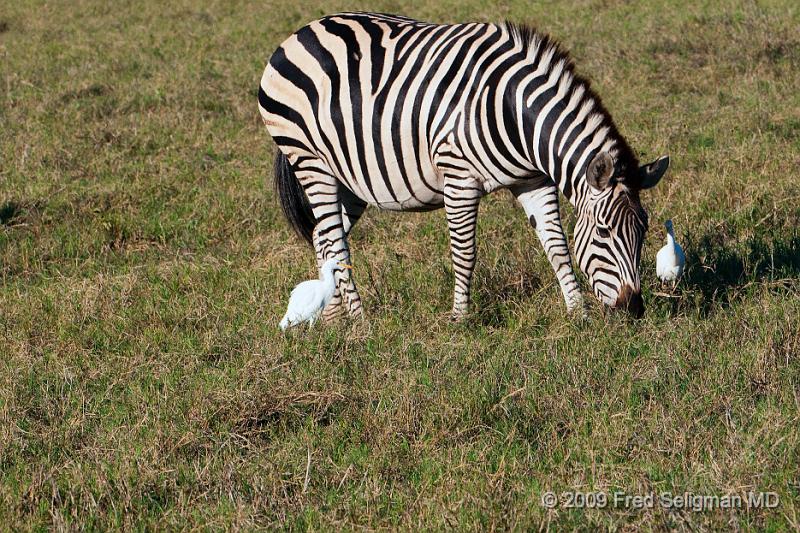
point(670, 259)
point(309, 298)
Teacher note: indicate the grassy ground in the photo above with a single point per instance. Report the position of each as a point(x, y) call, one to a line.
point(145, 264)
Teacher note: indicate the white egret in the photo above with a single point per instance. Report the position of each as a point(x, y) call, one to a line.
point(309, 298)
point(670, 259)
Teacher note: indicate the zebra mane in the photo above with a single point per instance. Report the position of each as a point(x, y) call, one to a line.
point(539, 44)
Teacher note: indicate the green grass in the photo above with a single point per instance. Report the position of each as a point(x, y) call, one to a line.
point(145, 265)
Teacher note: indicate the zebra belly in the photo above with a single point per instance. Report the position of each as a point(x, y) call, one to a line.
point(405, 200)
point(412, 206)
point(375, 171)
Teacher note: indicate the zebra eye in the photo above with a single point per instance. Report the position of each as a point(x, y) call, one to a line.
point(603, 232)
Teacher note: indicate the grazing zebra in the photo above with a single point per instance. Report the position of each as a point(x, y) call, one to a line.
point(383, 110)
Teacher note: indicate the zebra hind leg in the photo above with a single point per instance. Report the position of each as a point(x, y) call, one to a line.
point(329, 242)
point(352, 208)
point(317, 205)
point(461, 202)
point(329, 237)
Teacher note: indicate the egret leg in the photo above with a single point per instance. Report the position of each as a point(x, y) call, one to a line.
point(461, 200)
point(539, 199)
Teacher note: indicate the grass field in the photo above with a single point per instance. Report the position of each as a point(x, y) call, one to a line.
point(145, 265)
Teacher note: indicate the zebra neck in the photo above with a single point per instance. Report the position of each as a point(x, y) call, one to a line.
point(564, 125)
point(566, 163)
point(563, 153)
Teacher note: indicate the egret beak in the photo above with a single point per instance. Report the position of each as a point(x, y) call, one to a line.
point(348, 267)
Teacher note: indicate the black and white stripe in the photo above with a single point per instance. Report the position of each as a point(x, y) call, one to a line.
point(382, 110)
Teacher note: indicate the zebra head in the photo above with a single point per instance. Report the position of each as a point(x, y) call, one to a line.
point(610, 230)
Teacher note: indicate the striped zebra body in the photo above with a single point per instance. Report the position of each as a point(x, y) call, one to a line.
point(382, 110)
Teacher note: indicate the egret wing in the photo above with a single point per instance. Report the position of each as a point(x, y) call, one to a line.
point(662, 262)
point(305, 301)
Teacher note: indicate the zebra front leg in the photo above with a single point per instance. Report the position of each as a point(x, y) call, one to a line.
point(539, 199)
point(352, 209)
point(461, 201)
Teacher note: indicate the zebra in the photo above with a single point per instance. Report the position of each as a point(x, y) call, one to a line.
point(383, 110)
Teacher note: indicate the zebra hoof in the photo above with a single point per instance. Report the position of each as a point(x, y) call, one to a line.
point(357, 313)
point(457, 317)
point(332, 313)
point(579, 313)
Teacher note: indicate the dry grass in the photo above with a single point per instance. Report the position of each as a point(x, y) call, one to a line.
point(143, 382)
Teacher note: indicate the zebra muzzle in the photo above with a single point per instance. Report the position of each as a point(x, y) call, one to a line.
point(631, 301)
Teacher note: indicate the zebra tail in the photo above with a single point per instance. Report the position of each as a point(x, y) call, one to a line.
point(293, 199)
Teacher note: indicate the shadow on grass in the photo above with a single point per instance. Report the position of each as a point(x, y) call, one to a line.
point(718, 273)
point(502, 285)
point(9, 211)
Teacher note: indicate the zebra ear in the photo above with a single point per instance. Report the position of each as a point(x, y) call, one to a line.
point(651, 174)
point(600, 171)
